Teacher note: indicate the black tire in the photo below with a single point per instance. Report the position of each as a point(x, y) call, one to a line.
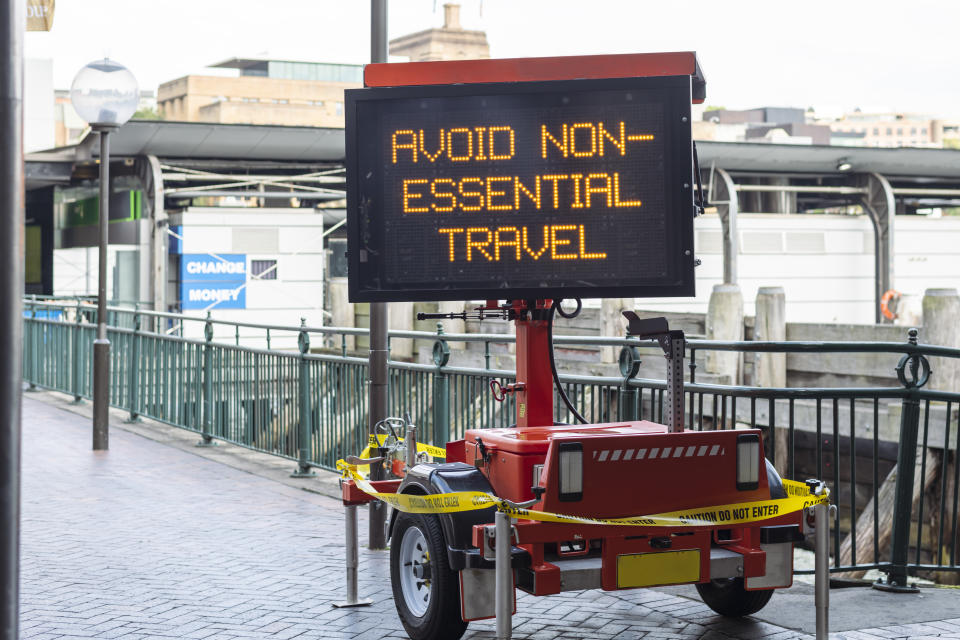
point(441, 620)
point(728, 597)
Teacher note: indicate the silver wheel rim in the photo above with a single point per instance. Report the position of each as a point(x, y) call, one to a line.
point(414, 563)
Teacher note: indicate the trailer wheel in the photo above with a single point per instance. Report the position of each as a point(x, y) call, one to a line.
point(728, 597)
point(426, 591)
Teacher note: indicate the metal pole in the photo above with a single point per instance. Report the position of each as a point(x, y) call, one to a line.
point(503, 591)
point(410, 440)
point(378, 318)
point(821, 520)
point(101, 346)
point(351, 550)
point(303, 469)
point(12, 28)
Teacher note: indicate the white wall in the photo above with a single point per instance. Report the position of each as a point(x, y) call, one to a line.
point(823, 262)
point(38, 120)
point(292, 237)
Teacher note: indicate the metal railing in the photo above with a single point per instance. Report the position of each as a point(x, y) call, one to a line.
point(311, 407)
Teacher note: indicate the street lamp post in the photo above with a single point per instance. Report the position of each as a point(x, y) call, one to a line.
point(105, 94)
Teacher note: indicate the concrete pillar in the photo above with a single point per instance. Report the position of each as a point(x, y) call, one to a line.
point(341, 311)
point(941, 326)
point(401, 319)
point(725, 322)
point(771, 324)
point(612, 324)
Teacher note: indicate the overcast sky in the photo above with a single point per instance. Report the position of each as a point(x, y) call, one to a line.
point(833, 55)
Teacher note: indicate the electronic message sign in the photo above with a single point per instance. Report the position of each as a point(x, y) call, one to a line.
point(580, 188)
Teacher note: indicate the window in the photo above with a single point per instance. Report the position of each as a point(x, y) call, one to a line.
point(913, 131)
point(889, 131)
point(899, 131)
point(876, 131)
point(263, 269)
point(923, 131)
point(339, 108)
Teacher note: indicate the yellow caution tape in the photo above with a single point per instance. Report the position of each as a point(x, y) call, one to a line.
point(798, 498)
point(379, 439)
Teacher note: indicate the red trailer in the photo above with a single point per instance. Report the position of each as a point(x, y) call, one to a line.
point(532, 181)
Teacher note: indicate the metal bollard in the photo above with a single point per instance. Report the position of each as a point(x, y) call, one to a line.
point(503, 598)
point(821, 520)
point(352, 557)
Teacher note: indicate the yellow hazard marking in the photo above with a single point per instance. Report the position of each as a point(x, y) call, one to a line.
point(658, 568)
point(722, 514)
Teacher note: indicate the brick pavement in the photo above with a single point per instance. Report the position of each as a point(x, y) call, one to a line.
point(156, 541)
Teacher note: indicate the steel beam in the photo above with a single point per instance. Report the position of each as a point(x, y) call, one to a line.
point(724, 196)
point(880, 206)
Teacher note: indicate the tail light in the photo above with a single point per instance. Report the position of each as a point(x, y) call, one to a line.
point(748, 461)
point(570, 459)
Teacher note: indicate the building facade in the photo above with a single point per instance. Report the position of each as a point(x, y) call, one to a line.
point(890, 129)
point(449, 42)
point(280, 92)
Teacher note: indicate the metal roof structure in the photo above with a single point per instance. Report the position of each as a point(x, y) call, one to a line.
point(791, 158)
point(167, 139)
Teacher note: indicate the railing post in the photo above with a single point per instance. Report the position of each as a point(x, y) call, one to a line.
point(207, 398)
point(32, 345)
point(133, 390)
point(629, 368)
point(441, 390)
point(77, 368)
point(303, 469)
point(896, 579)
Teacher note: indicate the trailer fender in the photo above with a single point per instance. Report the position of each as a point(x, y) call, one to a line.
point(449, 477)
point(777, 492)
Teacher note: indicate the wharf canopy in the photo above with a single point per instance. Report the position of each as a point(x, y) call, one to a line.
point(187, 164)
point(163, 172)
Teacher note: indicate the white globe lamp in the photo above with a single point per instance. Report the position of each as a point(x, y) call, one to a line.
point(105, 94)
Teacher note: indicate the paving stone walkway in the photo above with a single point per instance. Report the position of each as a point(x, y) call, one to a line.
point(156, 541)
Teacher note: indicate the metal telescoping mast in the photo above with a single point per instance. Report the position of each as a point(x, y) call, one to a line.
point(13, 25)
point(378, 316)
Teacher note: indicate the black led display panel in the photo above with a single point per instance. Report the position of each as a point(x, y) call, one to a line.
point(579, 188)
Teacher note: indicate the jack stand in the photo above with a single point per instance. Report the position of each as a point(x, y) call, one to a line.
point(352, 561)
point(503, 593)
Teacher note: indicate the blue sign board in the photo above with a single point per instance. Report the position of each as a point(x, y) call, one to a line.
point(213, 281)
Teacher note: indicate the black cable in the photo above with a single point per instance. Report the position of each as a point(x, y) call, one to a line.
point(553, 363)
